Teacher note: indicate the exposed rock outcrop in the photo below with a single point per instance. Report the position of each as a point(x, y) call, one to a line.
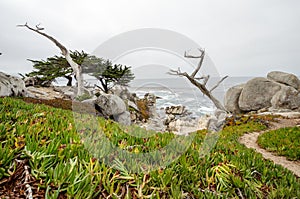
point(280, 91)
point(11, 85)
point(122, 92)
point(231, 100)
point(111, 104)
point(53, 92)
point(257, 94)
point(286, 98)
point(285, 78)
point(176, 118)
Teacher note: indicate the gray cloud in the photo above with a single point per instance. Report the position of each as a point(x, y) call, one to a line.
point(243, 38)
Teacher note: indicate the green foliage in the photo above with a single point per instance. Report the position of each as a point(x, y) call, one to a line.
point(63, 167)
point(46, 71)
point(107, 73)
point(283, 141)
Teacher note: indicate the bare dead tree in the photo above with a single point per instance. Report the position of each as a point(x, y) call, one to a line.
point(201, 85)
point(75, 67)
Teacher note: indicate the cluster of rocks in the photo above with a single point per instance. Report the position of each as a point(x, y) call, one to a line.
point(279, 91)
point(120, 105)
point(173, 114)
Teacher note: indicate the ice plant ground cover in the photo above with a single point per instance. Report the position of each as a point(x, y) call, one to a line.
point(285, 141)
point(42, 152)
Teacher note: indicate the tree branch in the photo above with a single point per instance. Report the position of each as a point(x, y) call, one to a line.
point(200, 62)
point(219, 82)
point(177, 72)
point(195, 81)
point(38, 30)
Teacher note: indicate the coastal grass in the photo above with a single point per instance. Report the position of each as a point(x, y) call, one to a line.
point(284, 141)
point(50, 143)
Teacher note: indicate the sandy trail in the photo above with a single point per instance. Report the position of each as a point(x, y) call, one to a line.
point(250, 141)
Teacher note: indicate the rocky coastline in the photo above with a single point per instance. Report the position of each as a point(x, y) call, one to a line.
point(278, 92)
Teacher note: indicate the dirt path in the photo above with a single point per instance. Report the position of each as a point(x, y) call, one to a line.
point(250, 141)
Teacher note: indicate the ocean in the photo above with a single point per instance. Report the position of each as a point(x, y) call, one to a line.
point(179, 91)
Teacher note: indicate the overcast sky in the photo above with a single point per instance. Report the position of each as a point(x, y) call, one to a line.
point(241, 37)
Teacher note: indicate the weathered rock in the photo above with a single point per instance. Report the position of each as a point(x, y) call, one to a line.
point(29, 81)
point(123, 118)
point(111, 104)
point(169, 119)
point(220, 114)
point(11, 85)
point(217, 122)
point(231, 99)
point(285, 78)
point(151, 104)
point(185, 126)
point(47, 93)
point(67, 91)
point(286, 98)
point(132, 105)
point(35, 81)
point(175, 110)
point(122, 92)
point(155, 124)
point(134, 117)
point(257, 94)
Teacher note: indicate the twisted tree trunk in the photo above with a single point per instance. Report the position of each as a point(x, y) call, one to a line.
point(75, 67)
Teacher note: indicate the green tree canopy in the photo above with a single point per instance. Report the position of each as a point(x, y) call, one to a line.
point(46, 71)
point(105, 71)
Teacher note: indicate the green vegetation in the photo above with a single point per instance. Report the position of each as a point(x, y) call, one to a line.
point(283, 141)
point(46, 71)
point(108, 74)
point(60, 165)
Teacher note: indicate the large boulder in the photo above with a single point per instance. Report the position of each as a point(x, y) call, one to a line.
point(110, 104)
point(257, 94)
point(286, 98)
point(285, 78)
point(231, 99)
point(11, 85)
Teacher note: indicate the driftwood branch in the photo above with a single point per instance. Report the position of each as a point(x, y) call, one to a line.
point(75, 67)
point(196, 80)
